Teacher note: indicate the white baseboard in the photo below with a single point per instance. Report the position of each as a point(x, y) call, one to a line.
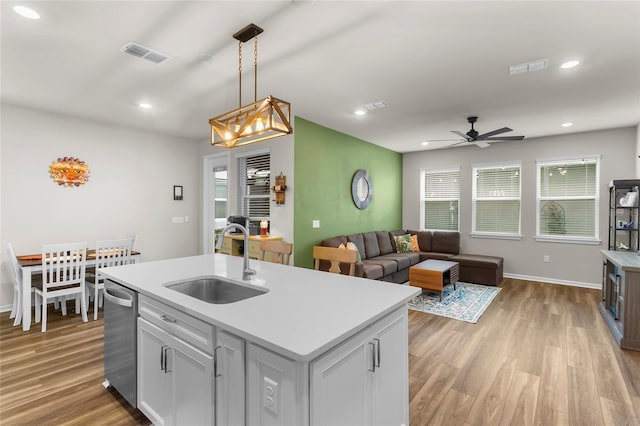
point(596, 286)
point(5, 308)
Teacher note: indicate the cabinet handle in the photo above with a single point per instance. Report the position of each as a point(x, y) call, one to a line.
point(215, 362)
point(378, 350)
point(373, 357)
point(163, 358)
point(168, 319)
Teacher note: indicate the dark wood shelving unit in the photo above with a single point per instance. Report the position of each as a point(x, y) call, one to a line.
point(623, 215)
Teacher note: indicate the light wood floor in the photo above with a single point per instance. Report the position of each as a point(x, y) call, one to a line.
point(541, 354)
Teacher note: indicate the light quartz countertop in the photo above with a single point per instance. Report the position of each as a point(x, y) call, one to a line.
point(303, 314)
point(628, 261)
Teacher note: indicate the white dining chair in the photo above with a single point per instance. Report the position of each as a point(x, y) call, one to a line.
point(63, 274)
point(108, 253)
point(16, 276)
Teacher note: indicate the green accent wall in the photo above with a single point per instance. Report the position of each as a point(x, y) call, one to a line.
point(324, 164)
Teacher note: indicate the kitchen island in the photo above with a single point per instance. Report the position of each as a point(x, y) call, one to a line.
point(315, 348)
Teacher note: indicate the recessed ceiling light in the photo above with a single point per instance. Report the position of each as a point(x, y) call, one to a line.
point(360, 112)
point(26, 12)
point(569, 64)
point(425, 143)
point(567, 124)
point(144, 105)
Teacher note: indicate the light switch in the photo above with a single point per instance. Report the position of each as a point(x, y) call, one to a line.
point(316, 223)
point(177, 219)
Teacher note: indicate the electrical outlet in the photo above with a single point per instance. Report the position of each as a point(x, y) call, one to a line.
point(547, 258)
point(270, 395)
point(316, 223)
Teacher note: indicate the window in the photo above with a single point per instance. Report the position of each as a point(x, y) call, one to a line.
point(220, 189)
point(496, 200)
point(254, 174)
point(568, 199)
point(440, 199)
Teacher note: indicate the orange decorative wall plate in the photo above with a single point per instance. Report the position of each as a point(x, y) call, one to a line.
point(69, 171)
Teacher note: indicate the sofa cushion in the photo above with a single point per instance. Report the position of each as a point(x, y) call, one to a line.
point(384, 242)
point(404, 260)
point(424, 239)
point(479, 269)
point(479, 261)
point(389, 266)
point(445, 242)
point(371, 271)
point(371, 244)
point(435, 256)
point(334, 241)
point(359, 242)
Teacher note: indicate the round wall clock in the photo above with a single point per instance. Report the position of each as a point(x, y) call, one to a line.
point(361, 189)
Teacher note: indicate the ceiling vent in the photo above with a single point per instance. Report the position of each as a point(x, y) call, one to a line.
point(375, 105)
point(538, 65)
point(145, 53)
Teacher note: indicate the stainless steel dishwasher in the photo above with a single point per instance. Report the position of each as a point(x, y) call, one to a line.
point(120, 339)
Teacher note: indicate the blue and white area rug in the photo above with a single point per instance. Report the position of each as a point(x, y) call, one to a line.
point(466, 303)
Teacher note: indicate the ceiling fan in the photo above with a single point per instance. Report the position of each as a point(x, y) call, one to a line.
point(482, 140)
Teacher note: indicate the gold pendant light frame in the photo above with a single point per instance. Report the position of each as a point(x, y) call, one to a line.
point(261, 120)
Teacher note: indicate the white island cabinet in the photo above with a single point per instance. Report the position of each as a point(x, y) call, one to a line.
point(314, 349)
point(364, 380)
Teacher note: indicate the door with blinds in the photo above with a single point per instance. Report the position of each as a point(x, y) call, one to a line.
point(254, 178)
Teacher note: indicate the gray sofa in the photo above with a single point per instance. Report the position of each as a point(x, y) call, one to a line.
point(380, 260)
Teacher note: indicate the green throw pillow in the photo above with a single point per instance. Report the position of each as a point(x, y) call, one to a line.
point(403, 244)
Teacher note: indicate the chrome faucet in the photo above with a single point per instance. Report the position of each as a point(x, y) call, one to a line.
point(246, 271)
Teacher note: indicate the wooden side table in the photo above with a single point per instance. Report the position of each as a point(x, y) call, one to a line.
point(434, 275)
point(232, 245)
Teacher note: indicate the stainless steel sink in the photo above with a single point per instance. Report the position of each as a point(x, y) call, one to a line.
point(216, 290)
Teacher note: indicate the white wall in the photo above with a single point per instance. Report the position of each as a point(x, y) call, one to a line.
point(281, 150)
point(570, 263)
point(637, 175)
point(130, 189)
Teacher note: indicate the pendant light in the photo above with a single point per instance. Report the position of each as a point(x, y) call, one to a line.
point(258, 121)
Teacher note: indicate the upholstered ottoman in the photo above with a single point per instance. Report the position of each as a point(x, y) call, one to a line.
point(479, 269)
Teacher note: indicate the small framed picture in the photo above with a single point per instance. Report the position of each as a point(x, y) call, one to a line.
point(177, 192)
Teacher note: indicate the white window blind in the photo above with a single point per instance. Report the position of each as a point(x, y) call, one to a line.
point(253, 186)
point(496, 199)
point(441, 199)
point(568, 198)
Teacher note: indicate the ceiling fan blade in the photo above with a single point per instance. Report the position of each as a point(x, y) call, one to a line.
point(505, 138)
point(462, 135)
point(445, 140)
point(481, 144)
point(495, 132)
point(458, 143)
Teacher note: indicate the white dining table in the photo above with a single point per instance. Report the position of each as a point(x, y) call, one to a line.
point(32, 264)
